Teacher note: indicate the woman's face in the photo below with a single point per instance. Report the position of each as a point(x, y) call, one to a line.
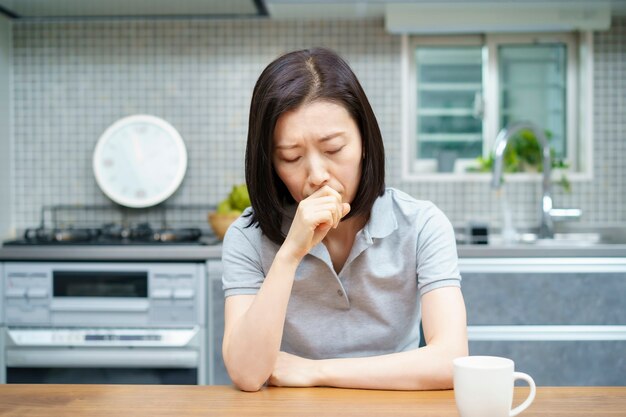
point(318, 144)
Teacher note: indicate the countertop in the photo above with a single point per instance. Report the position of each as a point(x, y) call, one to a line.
point(148, 253)
point(555, 250)
point(188, 401)
point(200, 253)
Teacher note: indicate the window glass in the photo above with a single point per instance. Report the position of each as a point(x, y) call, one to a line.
point(533, 88)
point(449, 102)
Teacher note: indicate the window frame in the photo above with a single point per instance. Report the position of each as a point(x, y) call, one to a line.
point(579, 104)
point(428, 166)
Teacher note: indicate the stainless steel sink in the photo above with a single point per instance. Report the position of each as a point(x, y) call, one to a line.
point(587, 236)
point(563, 239)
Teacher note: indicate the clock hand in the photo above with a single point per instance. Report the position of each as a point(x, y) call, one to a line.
point(137, 149)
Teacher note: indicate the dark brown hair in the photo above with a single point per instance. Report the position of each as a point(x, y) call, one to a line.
point(290, 81)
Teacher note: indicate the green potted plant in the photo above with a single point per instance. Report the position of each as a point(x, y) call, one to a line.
point(229, 209)
point(523, 154)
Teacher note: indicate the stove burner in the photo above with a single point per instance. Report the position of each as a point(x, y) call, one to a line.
point(176, 235)
point(117, 231)
point(110, 234)
point(40, 235)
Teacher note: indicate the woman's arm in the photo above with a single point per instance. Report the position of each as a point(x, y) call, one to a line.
point(430, 367)
point(253, 324)
point(253, 327)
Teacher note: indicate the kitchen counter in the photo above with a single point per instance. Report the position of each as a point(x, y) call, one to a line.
point(537, 251)
point(199, 253)
point(156, 253)
point(170, 400)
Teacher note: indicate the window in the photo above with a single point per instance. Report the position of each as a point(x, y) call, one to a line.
point(449, 91)
point(463, 90)
point(533, 87)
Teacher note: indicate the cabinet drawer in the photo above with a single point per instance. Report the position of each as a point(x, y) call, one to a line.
point(219, 375)
point(552, 298)
point(562, 363)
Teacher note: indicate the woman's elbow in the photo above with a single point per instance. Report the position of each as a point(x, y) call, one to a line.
point(245, 379)
point(246, 373)
point(247, 384)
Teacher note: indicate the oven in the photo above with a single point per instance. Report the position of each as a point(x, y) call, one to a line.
point(104, 322)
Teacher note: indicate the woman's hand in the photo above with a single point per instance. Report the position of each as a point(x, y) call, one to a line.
point(315, 216)
point(294, 371)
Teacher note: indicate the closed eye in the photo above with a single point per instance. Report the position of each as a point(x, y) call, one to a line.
point(334, 151)
point(291, 160)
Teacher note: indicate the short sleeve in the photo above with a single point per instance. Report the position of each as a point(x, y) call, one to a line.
point(243, 273)
point(437, 258)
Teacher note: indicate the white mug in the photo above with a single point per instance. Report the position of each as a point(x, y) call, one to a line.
point(483, 386)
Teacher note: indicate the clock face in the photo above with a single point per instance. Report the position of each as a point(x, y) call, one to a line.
point(139, 161)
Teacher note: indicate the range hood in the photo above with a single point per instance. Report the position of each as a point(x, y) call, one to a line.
point(480, 17)
point(130, 9)
point(459, 16)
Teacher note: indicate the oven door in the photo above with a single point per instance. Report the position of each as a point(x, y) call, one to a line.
point(102, 366)
point(113, 363)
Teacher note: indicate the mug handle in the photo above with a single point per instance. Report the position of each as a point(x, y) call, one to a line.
point(523, 406)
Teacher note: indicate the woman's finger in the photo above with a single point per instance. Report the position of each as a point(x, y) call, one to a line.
point(328, 202)
point(326, 190)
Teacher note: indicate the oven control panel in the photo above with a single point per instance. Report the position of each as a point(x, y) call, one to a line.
point(102, 294)
point(101, 337)
point(26, 295)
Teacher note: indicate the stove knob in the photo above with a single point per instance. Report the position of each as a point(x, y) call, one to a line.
point(15, 293)
point(37, 293)
point(162, 293)
point(183, 293)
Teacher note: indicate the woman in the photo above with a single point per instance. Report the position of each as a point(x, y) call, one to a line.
point(328, 275)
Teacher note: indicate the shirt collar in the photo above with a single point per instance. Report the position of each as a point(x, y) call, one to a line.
point(382, 221)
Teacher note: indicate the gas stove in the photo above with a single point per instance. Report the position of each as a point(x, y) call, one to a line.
point(112, 233)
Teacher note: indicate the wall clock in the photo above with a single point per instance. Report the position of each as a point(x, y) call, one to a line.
point(140, 161)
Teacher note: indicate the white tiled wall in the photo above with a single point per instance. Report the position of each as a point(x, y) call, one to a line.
point(6, 62)
point(72, 80)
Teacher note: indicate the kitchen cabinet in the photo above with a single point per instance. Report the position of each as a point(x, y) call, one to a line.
point(217, 370)
point(3, 376)
point(562, 320)
point(562, 363)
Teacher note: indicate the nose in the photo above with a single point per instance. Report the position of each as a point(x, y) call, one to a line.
point(317, 172)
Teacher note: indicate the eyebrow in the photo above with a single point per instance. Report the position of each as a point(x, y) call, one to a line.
point(322, 139)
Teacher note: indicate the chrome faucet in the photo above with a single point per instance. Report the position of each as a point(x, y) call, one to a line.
point(548, 213)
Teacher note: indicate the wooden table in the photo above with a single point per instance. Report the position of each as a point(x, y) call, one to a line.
point(210, 401)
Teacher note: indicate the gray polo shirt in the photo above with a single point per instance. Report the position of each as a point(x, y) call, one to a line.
point(372, 307)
